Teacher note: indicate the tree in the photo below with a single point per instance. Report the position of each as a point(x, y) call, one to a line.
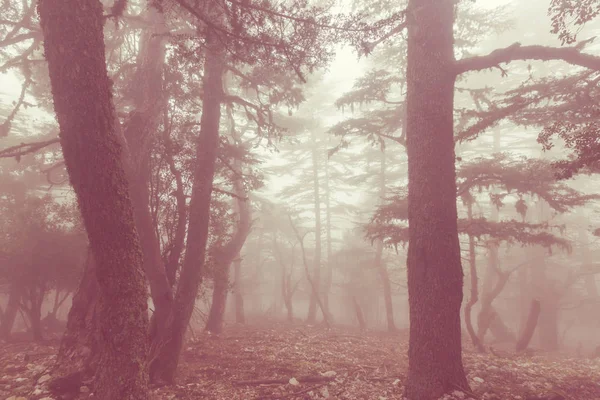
point(435, 276)
point(92, 149)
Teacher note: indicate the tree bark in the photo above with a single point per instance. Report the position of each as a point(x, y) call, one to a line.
point(81, 89)
point(165, 364)
point(435, 276)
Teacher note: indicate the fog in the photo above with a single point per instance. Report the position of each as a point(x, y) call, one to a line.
point(275, 201)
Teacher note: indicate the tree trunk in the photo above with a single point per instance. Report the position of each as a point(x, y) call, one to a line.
point(379, 263)
point(240, 317)
point(78, 345)
point(214, 323)
point(12, 308)
point(141, 127)
point(226, 255)
point(316, 278)
point(165, 364)
point(530, 325)
point(435, 276)
point(81, 89)
point(359, 314)
point(549, 317)
point(474, 288)
point(329, 269)
point(35, 317)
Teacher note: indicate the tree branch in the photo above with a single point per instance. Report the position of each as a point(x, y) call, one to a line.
point(26, 148)
point(516, 52)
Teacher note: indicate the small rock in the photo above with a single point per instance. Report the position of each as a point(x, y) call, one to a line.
point(44, 378)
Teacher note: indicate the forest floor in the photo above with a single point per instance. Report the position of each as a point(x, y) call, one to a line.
point(259, 363)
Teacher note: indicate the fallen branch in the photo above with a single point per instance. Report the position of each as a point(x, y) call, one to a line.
point(283, 381)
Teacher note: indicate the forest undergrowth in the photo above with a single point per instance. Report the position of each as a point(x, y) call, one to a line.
point(280, 361)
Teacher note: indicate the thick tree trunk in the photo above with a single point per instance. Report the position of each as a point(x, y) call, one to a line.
point(435, 276)
point(81, 89)
point(12, 308)
point(165, 364)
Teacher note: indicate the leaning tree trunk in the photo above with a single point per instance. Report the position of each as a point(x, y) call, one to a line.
point(165, 364)
point(435, 276)
point(81, 89)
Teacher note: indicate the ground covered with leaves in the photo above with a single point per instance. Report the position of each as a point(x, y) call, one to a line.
point(299, 362)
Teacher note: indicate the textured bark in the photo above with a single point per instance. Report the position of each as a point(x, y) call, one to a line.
point(165, 364)
point(81, 89)
point(530, 325)
point(435, 276)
